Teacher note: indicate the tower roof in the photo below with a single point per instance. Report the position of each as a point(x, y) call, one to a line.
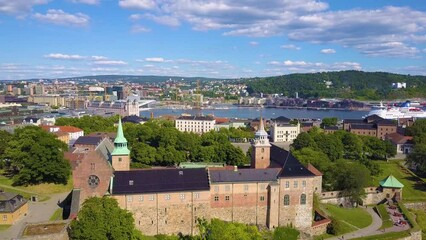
point(120, 142)
point(391, 182)
point(261, 131)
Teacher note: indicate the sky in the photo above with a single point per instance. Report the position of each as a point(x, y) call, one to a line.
point(216, 38)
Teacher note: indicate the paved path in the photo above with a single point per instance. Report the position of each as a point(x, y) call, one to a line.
point(38, 212)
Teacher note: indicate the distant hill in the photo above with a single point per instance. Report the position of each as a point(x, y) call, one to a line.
point(134, 78)
point(343, 84)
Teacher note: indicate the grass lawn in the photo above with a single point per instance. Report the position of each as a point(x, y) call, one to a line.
point(57, 215)
point(386, 236)
point(357, 217)
point(421, 220)
point(414, 187)
point(386, 220)
point(41, 190)
point(4, 227)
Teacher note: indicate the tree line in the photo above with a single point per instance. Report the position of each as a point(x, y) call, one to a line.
point(345, 84)
point(345, 159)
point(417, 157)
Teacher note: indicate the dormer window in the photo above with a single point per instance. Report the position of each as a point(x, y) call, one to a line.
point(131, 182)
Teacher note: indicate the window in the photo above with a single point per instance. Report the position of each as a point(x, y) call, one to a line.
point(196, 195)
point(151, 197)
point(226, 198)
point(295, 184)
point(287, 184)
point(131, 182)
point(303, 183)
point(262, 198)
point(4, 217)
point(246, 187)
point(227, 188)
point(167, 196)
point(182, 196)
point(92, 166)
point(141, 198)
point(216, 188)
point(216, 198)
point(119, 159)
point(303, 199)
point(262, 150)
point(129, 198)
point(286, 200)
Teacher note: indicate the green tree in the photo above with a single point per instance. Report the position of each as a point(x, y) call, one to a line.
point(351, 179)
point(36, 156)
point(352, 146)
point(5, 137)
point(327, 122)
point(330, 145)
point(418, 157)
point(418, 128)
point(303, 140)
point(221, 230)
point(102, 218)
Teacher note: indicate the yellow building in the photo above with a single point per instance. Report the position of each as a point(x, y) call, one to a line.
point(12, 207)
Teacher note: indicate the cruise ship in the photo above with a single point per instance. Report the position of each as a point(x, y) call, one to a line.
point(405, 110)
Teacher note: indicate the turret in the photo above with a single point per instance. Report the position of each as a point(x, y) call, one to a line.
point(261, 148)
point(120, 157)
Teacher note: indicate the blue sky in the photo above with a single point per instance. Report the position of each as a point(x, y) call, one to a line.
point(217, 38)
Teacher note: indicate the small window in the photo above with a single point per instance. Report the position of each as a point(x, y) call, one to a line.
point(129, 198)
point(167, 196)
point(119, 159)
point(216, 188)
point(4, 217)
point(262, 198)
point(246, 187)
point(141, 198)
point(151, 197)
point(92, 166)
point(287, 184)
point(131, 182)
point(216, 198)
point(196, 195)
point(182, 196)
point(303, 183)
point(227, 198)
point(262, 150)
point(296, 184)
point(303, 199)
point(286, 200)
point(227, 188)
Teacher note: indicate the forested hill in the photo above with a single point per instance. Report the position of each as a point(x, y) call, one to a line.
point(343, 84)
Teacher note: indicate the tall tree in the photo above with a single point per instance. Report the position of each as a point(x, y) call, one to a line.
point(418, 157)
point(102, 218)
point(36, 156)
point(303, 140)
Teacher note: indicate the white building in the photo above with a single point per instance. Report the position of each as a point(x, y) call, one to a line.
point(195, 124)
point(122, 107)
point(283, 131)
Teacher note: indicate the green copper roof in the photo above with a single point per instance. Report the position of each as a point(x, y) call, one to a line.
point(391, 182)
point(120, 142)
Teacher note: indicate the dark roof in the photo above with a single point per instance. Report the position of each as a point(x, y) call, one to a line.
point(331, 128)
point(353, 121)
point(244, 175)
point(373, 118)
point(281, 119)
point(75, 203)
point(133, 119)
point(291, 166)
point(363, 126)
point(10, 202)
point(160, 180)
point(88, 140)
point(307, 124)
point(199, 118)
point(386, 122)
point(29, 119)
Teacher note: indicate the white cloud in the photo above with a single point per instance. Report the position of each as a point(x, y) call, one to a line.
point(110, 62)
point(135, 17)
point(137, 4)
point(59, 17)
point(139, 29)
point(19, 7)
point(60, 56)
point(328, 51)
point(163, 19)
point(97, 58)
point(253, 43)
point(290, 46)
point(155, 59)
point(90, 2)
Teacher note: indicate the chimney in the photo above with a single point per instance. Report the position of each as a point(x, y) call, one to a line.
point(235, 168)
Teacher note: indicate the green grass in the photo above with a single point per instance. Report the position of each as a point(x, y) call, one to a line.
point(4, 227)
point(57, 215)
point(414, 188)
point(386, 220)
point(386, 236)
point(357, 217)
point(420, 219)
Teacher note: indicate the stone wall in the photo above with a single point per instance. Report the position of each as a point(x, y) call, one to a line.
point(373, 196)
point(416, 205)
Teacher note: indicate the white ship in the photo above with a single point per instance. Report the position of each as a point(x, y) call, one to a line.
point(405, 110)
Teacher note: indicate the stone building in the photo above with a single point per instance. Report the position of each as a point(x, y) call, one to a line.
point(373, 125)
point(276, 191)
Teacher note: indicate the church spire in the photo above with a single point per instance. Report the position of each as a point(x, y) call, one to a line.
point(120, 142)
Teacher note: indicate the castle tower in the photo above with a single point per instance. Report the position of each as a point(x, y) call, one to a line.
point(120, 157)
point(260, 157)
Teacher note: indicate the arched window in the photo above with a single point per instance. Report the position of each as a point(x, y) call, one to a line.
point(262, 150)
point(286, 200)
point(303, 199)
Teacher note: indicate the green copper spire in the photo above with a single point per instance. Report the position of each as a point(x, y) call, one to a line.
point(120, 142)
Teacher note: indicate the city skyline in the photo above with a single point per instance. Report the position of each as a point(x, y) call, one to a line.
point(218, 39)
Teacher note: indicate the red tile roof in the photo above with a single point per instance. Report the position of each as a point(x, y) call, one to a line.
point(313, 170)
point(397, 138)
point(67, 129)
